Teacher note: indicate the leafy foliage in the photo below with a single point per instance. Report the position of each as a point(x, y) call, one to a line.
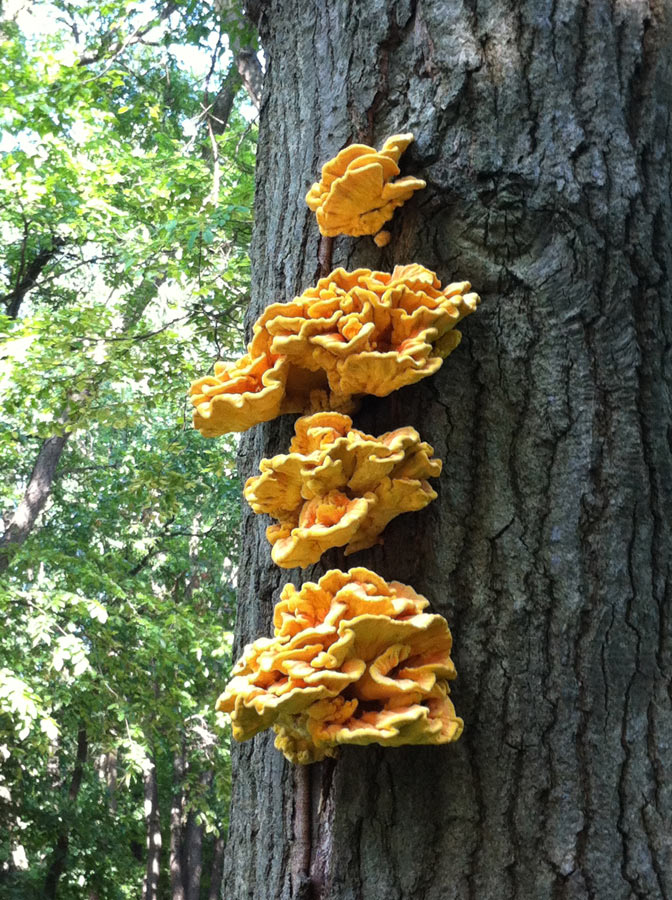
point(124, 225)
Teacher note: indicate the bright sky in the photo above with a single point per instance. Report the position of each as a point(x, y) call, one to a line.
point(42, 19)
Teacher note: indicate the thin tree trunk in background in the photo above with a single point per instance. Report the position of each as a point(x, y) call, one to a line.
point(106, 767)
point(53, 762)
point(193, 843)
point(543, 132)
point(19, 525)
point(37, 493)
point(111, 778)
point(59, 857)
point(176, 812)
point(194, 847)
point(217, 869)
point(150, 888)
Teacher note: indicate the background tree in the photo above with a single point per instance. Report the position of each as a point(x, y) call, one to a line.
point(124, 225)
point(542, 130)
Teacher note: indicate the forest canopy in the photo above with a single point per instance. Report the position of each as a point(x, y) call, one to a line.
point(126, 181)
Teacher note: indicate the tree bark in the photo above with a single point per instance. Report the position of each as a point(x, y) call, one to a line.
point(111, 762)
point(543, 132)
point(59, 857)
point(34, 499)
point(176, 811)
point(217, 869)
point(193, 845)
point(150, 888)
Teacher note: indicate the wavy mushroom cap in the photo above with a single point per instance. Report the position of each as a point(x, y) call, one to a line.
point(332, 723)
point(370, 332)
point(354, 660)
point(238, 396)
point(356, 194)
point(339, 487)
point(354, 333)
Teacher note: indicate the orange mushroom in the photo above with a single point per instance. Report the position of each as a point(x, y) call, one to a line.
point(237, 397)
point(339, 487)
point(356, 194)
point(354, 333)
point(354, 660)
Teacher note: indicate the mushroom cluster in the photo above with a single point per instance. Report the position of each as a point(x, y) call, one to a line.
point(356, 194)
point(338, 487)
point(354, 660)
point(354, 333)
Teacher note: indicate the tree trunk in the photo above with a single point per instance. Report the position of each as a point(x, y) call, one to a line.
point(150, 888)
point(59, 857)
point(37, 493)
point(111, 762)
point(193, 845)
point(542, 130)
point(176, 810)
point(216, 871)
point(106, 769)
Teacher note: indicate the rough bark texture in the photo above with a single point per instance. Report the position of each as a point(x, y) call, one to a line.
point(543, 131)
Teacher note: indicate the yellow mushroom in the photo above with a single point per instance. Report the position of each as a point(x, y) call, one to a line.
point(354, 333)
point(239, 396)
point(356, 194)
point(354, 660)
point(339, 487)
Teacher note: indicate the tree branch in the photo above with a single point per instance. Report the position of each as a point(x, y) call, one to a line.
point(20, 524)
point(247, 72)
point(34, 499)
point(251, 74)
point(27, 277)
point(218, 114)
point(112, 44)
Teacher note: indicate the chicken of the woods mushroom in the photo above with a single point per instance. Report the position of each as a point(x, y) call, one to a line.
point(338, 487)
point(352, 334)
point(354, 660)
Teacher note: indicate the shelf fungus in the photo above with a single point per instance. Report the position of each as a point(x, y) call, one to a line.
point(339, 487)
point(356, 194)
point(354, 660)
point(354, 333)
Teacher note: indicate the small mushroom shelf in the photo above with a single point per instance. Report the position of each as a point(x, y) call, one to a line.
point(356, 194)
point(354, 659)
point(339, 487)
